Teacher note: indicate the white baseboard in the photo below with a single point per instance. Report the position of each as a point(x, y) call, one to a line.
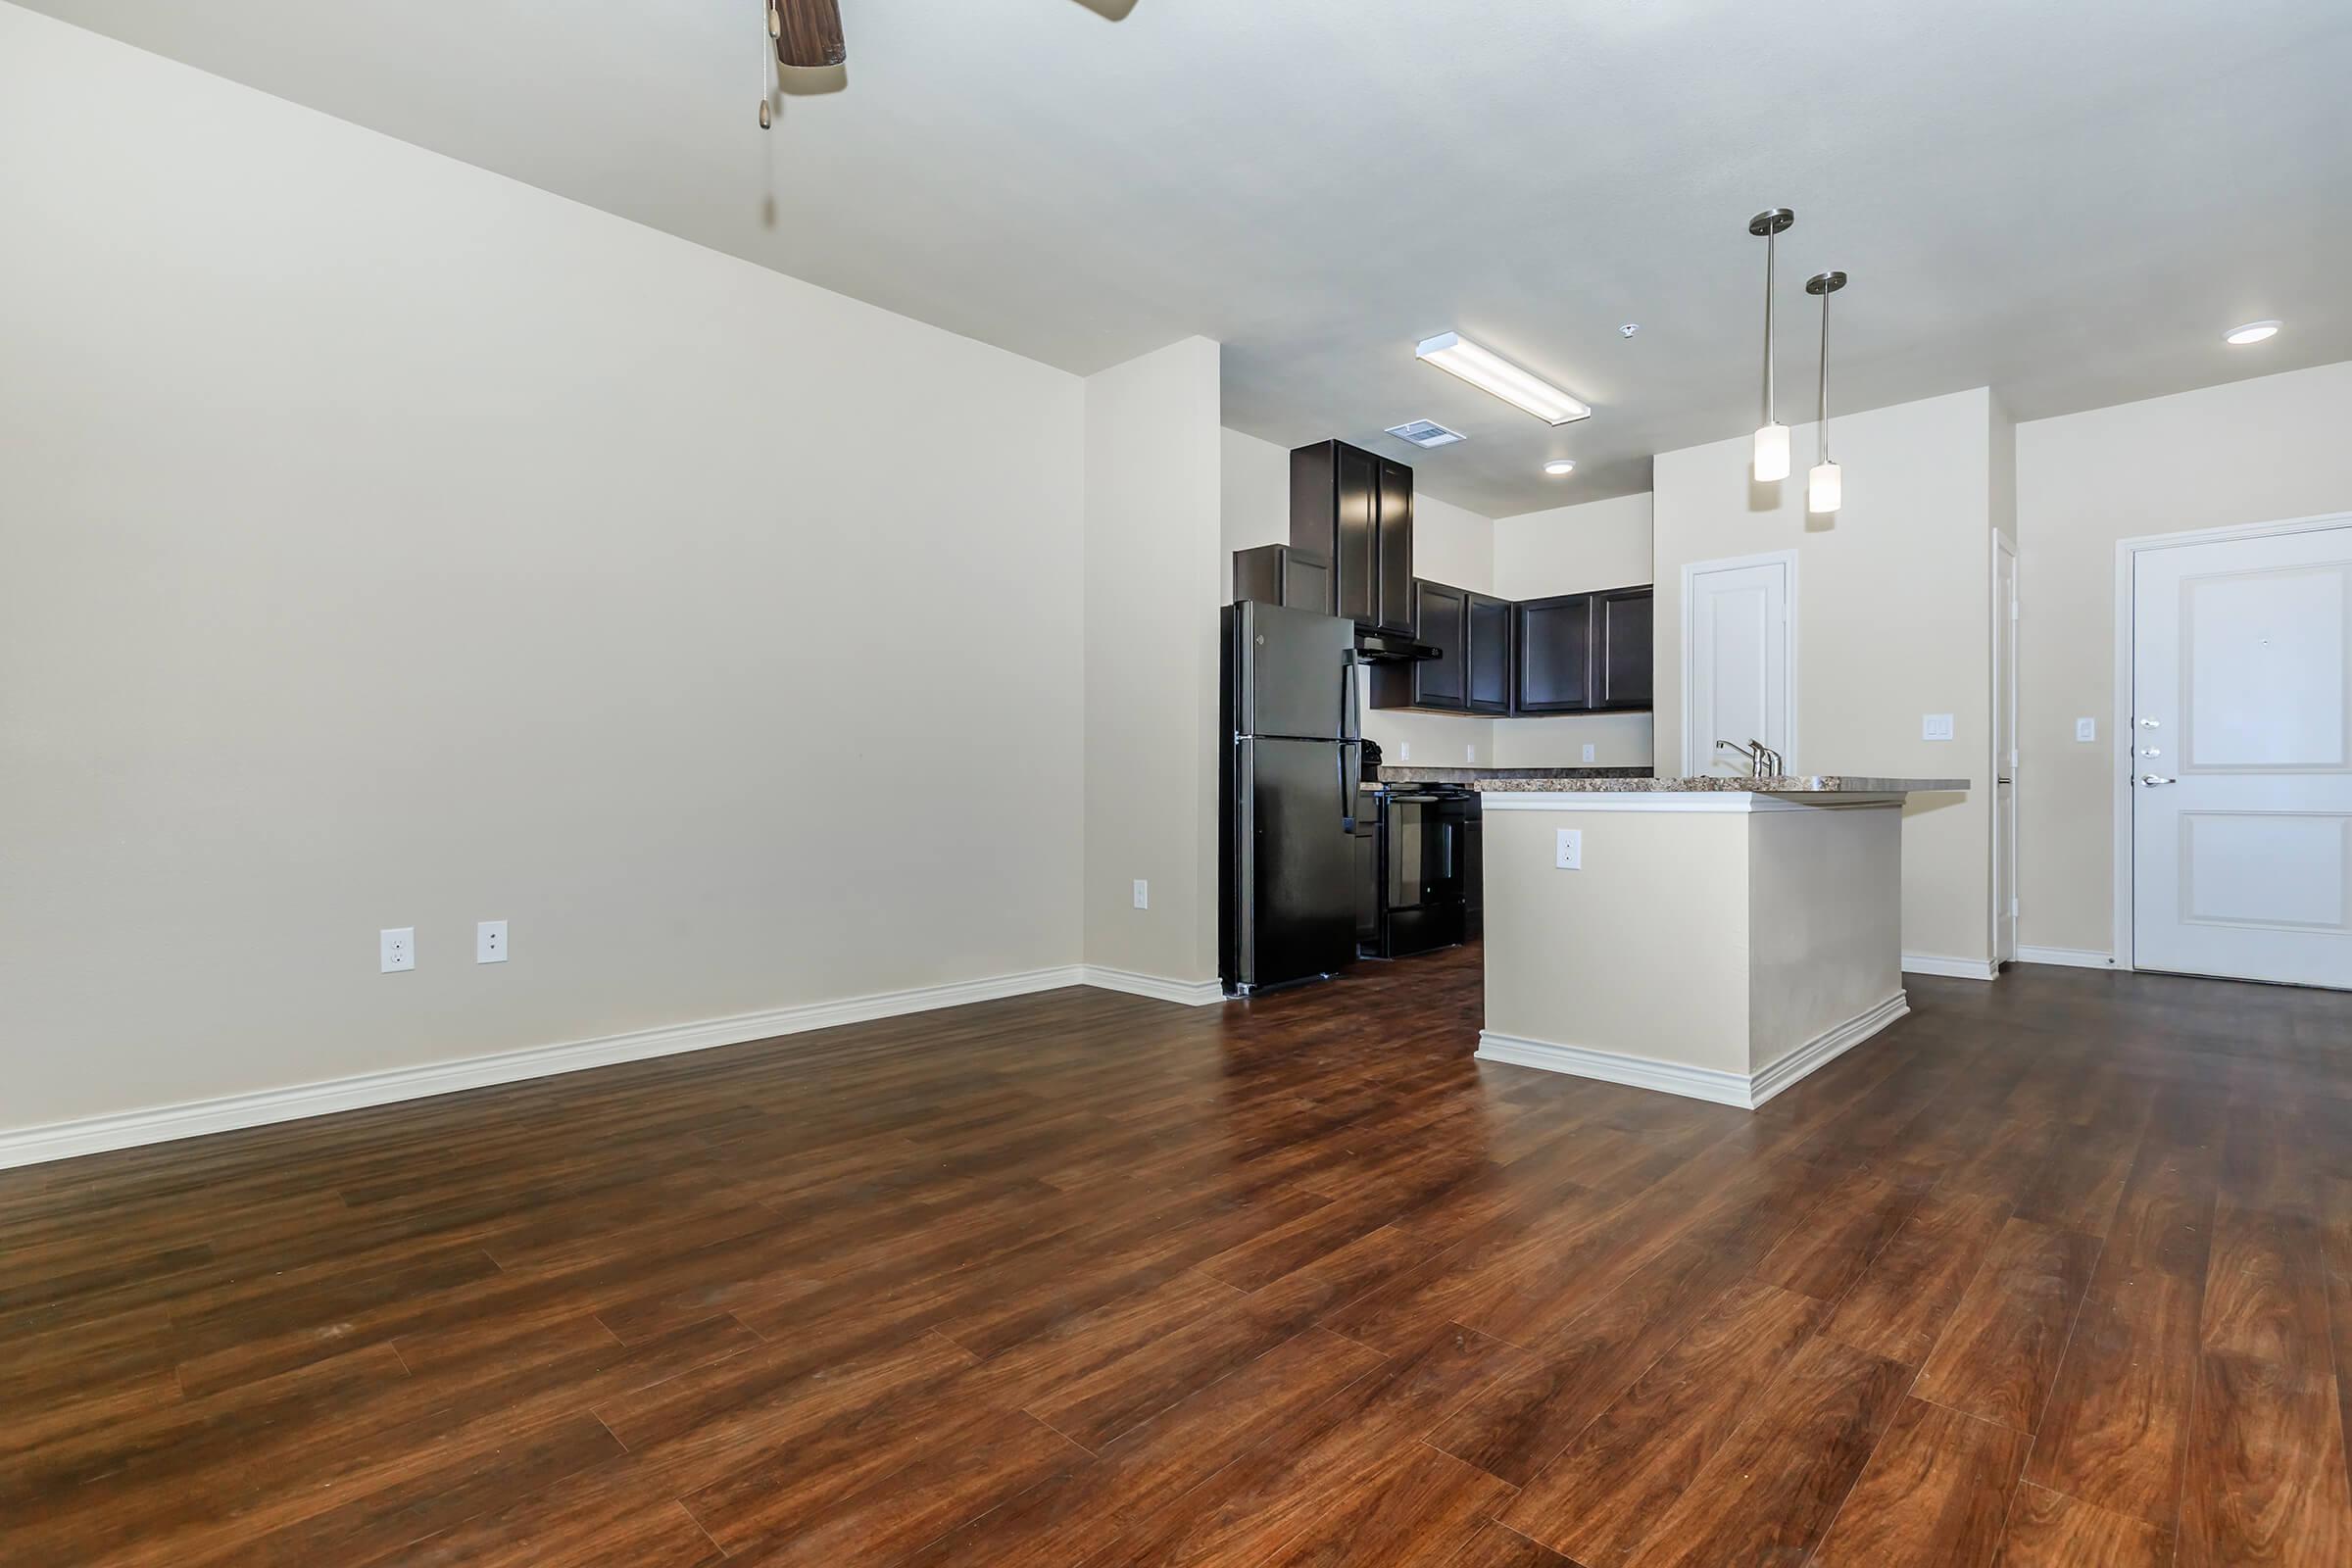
point(1188, 993)
point(1746, 1090)
point(1950, 968)
point(2070, 958)
point(1616, 1067)
point(32, 1145)
point(1825, 1047)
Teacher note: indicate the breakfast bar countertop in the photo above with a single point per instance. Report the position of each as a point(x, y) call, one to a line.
point(1777, 784)
point(1409, 773)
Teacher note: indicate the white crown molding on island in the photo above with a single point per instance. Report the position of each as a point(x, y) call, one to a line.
point(1748, 1091)
point(2070, 958)
point(1950, 968)
point(97, 1135)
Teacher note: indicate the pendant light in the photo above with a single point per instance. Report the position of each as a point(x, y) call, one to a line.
point(1772, 436)
point(1825, 486)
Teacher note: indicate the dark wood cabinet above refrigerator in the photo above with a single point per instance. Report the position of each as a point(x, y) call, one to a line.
point(1355, 509)
point(1281, 574)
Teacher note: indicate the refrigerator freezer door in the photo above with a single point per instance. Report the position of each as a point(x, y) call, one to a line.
point(1298, 861)
point(1297, 674)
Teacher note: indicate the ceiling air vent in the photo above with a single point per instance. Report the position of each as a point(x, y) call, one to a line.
point(1426, 433)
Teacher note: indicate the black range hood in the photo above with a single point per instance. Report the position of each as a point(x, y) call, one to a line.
point(1391, 648)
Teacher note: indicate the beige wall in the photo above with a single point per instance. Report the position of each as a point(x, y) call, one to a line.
point(1152, 575)
point(388, 543)
point(2258, 451)
point(1577, 958)
point(1573, 550)
point(1892, 623)
point(1721, 940)
point(1825, 884)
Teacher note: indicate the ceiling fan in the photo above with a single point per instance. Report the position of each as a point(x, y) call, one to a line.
point(808, 36)
point(808, 32)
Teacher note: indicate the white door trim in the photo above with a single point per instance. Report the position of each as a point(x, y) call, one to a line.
point(1786, 559)
point(2004, 690)
point(2123, 737)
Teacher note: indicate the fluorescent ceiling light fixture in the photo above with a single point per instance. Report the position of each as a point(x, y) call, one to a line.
point(2251, 332)
point(1488, 372)
point(1560, 468)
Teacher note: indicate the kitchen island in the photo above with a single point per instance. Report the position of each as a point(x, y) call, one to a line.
point(1715, 937)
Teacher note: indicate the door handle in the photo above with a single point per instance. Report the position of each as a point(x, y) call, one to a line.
point(2151, 780)
point(1350, 714)
point(2004, 779)
point(1348, 793)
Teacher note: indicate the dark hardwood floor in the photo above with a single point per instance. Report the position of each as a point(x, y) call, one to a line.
point(2056, 1271)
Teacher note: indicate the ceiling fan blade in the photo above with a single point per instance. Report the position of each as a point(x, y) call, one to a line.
point(811, 34)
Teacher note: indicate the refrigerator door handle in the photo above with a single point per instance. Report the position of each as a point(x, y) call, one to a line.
point(1350, 765)
point(1352, 721)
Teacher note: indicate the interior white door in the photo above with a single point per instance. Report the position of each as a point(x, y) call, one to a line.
point(2241, 765)
point(1739, 660)
point(2004, 750)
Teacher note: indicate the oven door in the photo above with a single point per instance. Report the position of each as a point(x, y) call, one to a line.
point(1423, 843)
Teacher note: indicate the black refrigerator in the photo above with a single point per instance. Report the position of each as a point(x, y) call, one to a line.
point(1293, 757)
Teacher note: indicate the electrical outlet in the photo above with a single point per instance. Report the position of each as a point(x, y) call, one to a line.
point(1568, 855)
point(1404, 750)
point(2086, 729)
point(1143, 894)
point(490, 941)
point(1936, 727)
point(1590, 753)
point(1470, 752)
point(397, 948)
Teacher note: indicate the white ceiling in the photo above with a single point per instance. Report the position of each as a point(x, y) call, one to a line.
point(2067, 202)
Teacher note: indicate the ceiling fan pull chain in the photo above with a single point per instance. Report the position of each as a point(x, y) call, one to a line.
point(767, 67)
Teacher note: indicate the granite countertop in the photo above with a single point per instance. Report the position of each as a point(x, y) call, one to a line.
point(1408, 774)
point(1510, 779)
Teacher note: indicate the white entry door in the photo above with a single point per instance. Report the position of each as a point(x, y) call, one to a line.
point(1739, 659)
point(2241, 766)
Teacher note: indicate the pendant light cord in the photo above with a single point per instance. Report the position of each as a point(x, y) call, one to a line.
point(1825, 374)
point(1771, 240)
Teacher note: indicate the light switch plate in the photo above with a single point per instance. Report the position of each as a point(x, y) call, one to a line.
point(1588, 751)
point(397, 948)
point(1569, 853)
point(2086, 729)
point(490, 941)
point(1143, 894)
point(1936, 727)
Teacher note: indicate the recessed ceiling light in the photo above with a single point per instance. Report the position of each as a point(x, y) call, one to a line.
point(1490, 371)
point(2251, 332)
point(1560, 468)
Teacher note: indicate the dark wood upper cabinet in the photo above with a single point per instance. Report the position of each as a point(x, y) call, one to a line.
point(1488, 662)
point(1356, 509)
point(1554, 673)
point(1281, 574)
point(1398, 610)
point(1622, 656)
point(1442, 619)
